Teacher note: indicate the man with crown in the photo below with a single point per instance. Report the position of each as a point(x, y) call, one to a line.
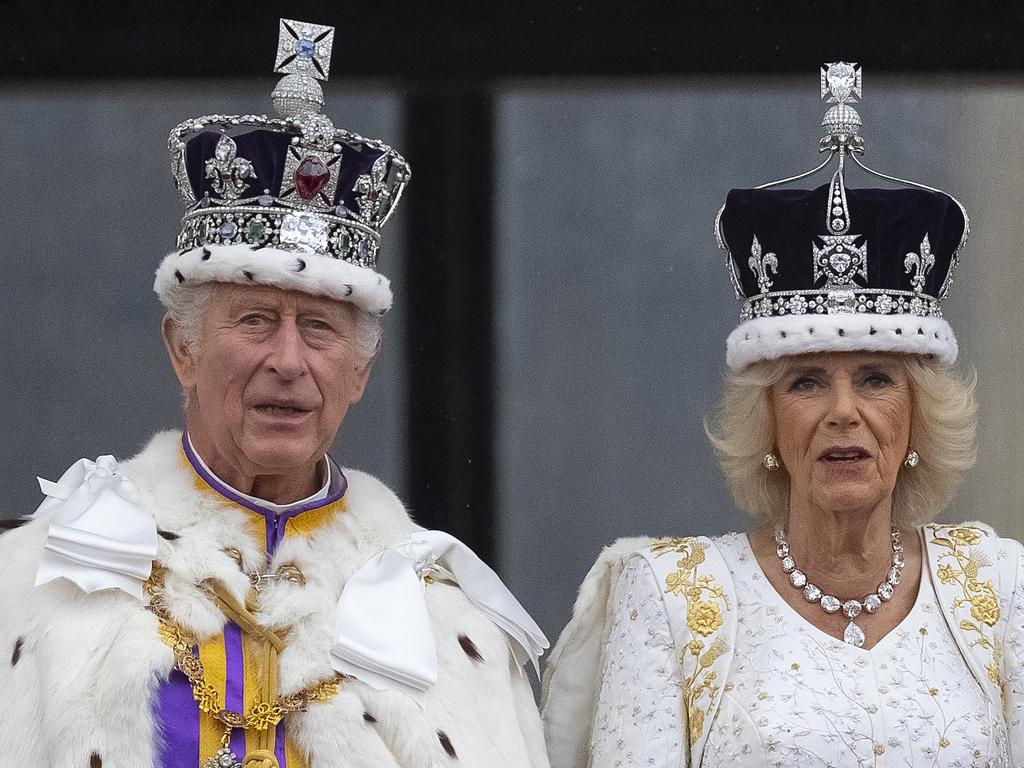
point(231, 596)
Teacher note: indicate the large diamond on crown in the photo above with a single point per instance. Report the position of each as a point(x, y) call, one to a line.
point(304, 232)
point(842, 80)
point(841, 302)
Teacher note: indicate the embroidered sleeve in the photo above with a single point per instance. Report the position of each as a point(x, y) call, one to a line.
point(639, 720)
point(1013, 648)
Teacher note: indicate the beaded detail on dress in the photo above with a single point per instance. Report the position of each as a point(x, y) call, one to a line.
point(639, 718)
point(796, 696)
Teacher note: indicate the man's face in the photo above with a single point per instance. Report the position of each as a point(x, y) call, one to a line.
point(273, 377)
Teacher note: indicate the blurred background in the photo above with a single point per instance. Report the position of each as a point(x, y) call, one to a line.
point(561, 309)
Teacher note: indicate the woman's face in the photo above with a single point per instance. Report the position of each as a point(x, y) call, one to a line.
point(842, 426)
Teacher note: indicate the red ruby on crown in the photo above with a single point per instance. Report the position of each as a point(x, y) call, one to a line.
point(310, 177)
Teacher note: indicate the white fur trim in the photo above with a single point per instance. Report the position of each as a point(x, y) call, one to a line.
point(89, 665)
point(768, 338)
point(322, 275)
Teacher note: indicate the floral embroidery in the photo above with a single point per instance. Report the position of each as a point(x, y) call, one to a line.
point(705, 600)
point(985, 608)
point(696, 724)
point(704, 618)
point(800, 698)
point(962, 568)
point(911, 701)
point(965, 536)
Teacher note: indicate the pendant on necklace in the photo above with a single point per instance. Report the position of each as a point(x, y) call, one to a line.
point(224, 758)
point(853, 635)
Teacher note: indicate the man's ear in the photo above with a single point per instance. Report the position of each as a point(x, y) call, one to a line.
point(181, 355)
point(363, 377)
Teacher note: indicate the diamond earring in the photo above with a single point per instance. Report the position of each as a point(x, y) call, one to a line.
point(913, 459)
point(770, 462)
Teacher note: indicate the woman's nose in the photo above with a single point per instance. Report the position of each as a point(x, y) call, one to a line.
point(843, 412)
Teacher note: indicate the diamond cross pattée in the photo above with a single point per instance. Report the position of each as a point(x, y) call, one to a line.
point(839, 260)
point(304, 49)
point(841, 82)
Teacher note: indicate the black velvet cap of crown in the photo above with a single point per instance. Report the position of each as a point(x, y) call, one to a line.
point(267, 150)
point(892, 222)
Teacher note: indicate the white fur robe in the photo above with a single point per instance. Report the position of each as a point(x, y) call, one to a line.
point(79, 672)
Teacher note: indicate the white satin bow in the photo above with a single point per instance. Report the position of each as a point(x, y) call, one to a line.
point(99, 536)
point(383, 634)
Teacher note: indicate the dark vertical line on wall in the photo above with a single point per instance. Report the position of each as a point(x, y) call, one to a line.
point(450, 334)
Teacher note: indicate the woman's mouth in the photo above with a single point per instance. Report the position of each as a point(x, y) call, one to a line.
point(844, 455)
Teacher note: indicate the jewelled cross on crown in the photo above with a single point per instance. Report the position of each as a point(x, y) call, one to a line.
point(304, 49)
point(304, 56)
point(841, 82)
point(841, 257)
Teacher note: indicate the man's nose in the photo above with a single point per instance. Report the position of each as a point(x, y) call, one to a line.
point(288, 358)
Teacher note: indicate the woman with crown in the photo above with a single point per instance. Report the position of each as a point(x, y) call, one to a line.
point(231, 596)
point(846, 629)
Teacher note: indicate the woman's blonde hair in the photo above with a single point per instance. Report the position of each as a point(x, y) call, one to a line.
point(942, 428)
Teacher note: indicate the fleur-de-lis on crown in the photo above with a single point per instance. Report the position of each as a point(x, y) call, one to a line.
point(761, 263)
point(230, 173)
point(372, 192)
point(920, 264)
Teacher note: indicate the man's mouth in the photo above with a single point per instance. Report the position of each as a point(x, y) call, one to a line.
point(282, 409)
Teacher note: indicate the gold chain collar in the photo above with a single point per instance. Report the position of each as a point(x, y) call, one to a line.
point(263, 715)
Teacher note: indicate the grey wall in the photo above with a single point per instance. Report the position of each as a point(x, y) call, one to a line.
point(614, 304)
point(89, 209)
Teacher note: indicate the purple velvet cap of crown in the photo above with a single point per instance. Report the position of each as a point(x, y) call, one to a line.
point(268, 151)
point(875, 284)
point(892, 223)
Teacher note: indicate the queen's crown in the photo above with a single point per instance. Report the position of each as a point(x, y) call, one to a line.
point(839, 250)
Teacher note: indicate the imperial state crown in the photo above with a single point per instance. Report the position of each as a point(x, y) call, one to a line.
point(291, 200)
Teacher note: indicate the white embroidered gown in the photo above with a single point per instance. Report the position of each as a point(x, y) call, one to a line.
point(795, 696)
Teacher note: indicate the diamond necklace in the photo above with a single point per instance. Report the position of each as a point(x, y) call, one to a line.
point(852, 608)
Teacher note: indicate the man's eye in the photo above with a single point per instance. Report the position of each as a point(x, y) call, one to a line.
point(255, 319)
point(319, 325)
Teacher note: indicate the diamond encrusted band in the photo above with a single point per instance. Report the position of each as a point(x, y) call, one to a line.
point(339, 236)
point(852, 608)
point(853, 300)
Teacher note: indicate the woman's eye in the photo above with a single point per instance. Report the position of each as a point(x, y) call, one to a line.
point(803, 384)
point(878, 380)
